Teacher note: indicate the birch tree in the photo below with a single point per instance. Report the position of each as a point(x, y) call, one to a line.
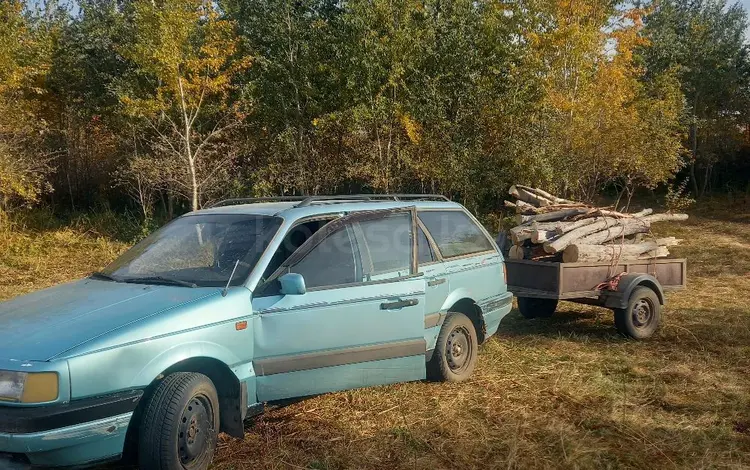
point(185, 52)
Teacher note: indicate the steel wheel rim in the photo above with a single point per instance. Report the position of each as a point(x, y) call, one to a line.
point(459, 349)
point(195, 430)
point(642, 313)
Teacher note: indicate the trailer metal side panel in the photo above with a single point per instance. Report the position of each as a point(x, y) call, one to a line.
point(579, 280)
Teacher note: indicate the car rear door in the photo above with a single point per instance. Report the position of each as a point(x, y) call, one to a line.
point(361, 320)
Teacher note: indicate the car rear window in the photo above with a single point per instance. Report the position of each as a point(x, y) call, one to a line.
point(455, 233)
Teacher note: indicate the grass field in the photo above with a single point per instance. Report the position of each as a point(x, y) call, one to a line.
point(560, 393)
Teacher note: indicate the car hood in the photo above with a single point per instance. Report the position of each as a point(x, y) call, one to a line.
point(44, 324)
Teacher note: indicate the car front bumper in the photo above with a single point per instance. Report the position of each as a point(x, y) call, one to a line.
point(76, 433)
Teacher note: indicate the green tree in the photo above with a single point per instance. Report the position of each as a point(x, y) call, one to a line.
point(186, 58)
point(703, 43)
point(25, 46)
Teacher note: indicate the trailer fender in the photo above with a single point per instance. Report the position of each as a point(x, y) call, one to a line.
point(628, 282)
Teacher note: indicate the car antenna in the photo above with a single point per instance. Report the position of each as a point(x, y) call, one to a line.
point(226, 289)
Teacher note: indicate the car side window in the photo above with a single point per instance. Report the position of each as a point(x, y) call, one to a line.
point(424, 249)
point(332, 262)
point(455, 233)
point(387, 246)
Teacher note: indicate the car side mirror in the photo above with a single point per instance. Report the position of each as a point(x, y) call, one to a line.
point(292, 284)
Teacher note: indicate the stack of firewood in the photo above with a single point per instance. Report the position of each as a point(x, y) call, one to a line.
point(556, 229)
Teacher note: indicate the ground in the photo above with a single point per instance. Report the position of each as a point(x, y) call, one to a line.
point(567, 392)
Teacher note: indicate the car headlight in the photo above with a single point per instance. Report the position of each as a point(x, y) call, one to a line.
point(28, 387)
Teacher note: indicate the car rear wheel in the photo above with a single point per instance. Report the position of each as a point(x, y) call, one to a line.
point(455, 353)
point(180, 424)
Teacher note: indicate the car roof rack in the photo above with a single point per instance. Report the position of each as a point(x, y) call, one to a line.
point(304, 201)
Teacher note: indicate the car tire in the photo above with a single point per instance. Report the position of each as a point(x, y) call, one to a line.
point(642, 316)
point(536, 308)
point(180, 424)
point(455, 353)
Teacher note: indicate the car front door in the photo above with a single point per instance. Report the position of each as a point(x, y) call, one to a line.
point(360, 321)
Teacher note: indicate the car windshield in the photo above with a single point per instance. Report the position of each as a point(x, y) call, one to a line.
point(197, 250)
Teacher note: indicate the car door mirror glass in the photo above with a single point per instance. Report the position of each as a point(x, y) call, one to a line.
point(292, 284)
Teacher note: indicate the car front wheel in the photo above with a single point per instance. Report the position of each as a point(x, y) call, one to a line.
point(455, 353)
point(180, 424)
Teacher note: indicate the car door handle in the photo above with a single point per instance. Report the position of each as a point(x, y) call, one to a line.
point(398, 304)
point(436, 282)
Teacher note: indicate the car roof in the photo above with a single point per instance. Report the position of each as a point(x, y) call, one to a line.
point(289, 209)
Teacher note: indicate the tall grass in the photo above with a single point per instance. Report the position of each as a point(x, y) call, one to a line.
point(567, 392)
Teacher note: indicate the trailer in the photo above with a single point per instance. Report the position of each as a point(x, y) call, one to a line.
point(633, 290)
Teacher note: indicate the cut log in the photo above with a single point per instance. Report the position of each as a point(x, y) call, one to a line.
point(642, 213)
point(567, 239)
point(527, 252)
point(522, 233)
point(543, 236)
point(551, 197)
point(516, 252)
point(526, 196)
point(661, 252)
point(625, 227)
point(565, 227)
point(622, 228)
point(549, 216)
point(511, 205)
point(664, 217)
point(607, 253)
point(526, 208)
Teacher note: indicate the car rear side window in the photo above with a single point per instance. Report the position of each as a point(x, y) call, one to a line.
point(455, 233)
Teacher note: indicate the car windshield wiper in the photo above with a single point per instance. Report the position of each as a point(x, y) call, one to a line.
point(159, 280)
point(101, 275)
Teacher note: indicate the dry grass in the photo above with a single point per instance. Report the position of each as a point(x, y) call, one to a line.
point(560, 393)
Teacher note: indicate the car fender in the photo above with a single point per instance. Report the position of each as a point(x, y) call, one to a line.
point(454, 296)
point(626, 286)
point(182, 352)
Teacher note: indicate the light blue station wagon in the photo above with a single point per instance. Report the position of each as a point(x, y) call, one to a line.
point(227, 309)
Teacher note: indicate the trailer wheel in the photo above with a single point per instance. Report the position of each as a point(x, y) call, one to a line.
point(536, 308)
point(642, 316)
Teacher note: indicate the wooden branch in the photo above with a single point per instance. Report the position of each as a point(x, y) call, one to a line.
point(643, 213)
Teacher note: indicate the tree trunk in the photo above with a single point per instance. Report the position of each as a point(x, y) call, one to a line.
point(568, 238)
point(579, 253)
